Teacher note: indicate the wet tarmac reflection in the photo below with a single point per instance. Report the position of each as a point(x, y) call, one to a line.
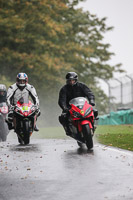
point(25, 148)
point(82, 151)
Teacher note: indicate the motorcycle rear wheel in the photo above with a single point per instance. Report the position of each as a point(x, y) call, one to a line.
point(87, 136)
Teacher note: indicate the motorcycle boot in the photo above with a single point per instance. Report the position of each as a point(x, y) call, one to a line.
point(36, 128)
point(67, 130)
point(79, 138)
point(10, 125)
point(9, 121)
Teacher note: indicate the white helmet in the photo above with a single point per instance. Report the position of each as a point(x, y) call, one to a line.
point(21, 79)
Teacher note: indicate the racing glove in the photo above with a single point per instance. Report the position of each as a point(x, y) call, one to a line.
point(11, 107)
point(66, 110)
point(38, 112)
point(92, 102)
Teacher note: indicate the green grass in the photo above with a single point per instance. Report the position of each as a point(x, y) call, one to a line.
point(120, 136)
point(50, 133)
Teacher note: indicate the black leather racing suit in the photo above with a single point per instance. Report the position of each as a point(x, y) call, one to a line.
point(3, 98)
point(69, 92)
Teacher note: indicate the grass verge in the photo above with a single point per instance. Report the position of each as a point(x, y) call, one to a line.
point(120, 136)
point(50, 133)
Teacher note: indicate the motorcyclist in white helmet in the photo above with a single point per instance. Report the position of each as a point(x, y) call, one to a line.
point(21, 89)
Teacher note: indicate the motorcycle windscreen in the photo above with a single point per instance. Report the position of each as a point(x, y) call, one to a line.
point(78, 102)
point(23, 100)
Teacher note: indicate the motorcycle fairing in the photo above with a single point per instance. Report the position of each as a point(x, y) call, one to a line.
point(24, 108)
point(78, 114)
point(24, 111)
point(82, 116)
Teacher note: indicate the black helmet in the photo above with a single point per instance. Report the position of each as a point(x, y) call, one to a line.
point(71, 76)
point(2, 90)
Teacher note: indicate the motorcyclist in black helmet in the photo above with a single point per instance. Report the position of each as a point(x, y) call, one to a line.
point(21, 89)
point(3, 93)
point(70, 90)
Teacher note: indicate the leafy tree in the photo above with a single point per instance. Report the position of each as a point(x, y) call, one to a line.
point(46, 39)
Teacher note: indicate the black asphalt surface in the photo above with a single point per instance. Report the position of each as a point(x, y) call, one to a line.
point(49, 169)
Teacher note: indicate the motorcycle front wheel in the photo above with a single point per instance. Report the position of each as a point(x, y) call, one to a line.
point(87, 136)
point(26, 132)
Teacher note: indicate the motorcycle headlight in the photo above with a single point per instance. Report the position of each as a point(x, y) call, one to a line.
point(88, 111)
point(76, 114)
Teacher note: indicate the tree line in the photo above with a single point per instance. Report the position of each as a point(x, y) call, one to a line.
point(46, 39)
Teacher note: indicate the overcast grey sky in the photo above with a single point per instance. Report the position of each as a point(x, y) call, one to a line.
point(119, 14)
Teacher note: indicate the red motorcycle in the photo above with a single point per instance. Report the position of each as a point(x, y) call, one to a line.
point(3, 126)
point(24, 119)
point(82, 121)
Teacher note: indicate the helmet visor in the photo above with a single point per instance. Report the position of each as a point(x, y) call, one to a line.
point(71, 81)
point(2, 93)
point(21, 82)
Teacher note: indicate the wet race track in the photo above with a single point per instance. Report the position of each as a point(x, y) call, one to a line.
point(49, 169)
